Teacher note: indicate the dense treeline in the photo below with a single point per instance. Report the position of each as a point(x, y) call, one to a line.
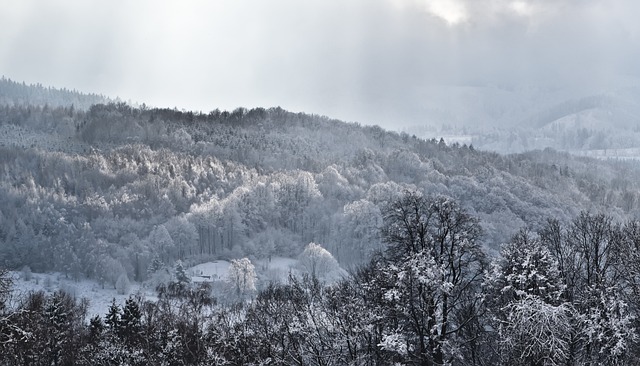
point(13, 93)
point(565, 295)
point(122, 186)
point(112, 192)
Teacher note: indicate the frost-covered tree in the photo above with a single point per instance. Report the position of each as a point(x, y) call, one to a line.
point(411, 287)
point(96, 328)
point(435, 259)
point(57, 316)
point(591, 255)
point(123, 285)
point(108, 270)
point(112, 318)
point(524, 291)
point(184, 235)
point(242, 277)
point(525, 268)
point(162, 243)
point(359, 237)
point(156, 264)
point(332, 184)
point(317, 261)
point(26, 273)
point(534, 332)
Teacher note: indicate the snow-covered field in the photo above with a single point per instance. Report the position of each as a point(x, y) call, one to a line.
point(275, 270)
point(99, 298)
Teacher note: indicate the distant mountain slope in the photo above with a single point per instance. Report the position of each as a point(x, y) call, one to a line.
point(14, 93)
point(117, 186)
point(511, 120)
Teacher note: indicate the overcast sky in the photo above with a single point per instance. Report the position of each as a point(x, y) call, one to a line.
point(364, 60)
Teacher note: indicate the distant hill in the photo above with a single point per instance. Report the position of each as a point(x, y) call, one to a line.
point(112, 188)
point(511, 120)
point(15, 93)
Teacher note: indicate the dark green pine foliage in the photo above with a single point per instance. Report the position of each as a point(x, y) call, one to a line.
point(96, 329)
point(112, 319)
point(130, 327)
point(181, 273)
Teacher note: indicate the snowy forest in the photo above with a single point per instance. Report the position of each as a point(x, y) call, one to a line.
point(449, 254)
point(518, 119)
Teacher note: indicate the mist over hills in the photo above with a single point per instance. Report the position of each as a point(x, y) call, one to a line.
point(506, 250)
point(101, 183)
point(518, 118)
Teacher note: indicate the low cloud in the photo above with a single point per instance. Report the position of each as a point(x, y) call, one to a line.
point(366, 60)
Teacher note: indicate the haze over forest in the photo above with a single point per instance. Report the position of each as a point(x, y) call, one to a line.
point(117, 194)
point(395, 63)
point(374, 182)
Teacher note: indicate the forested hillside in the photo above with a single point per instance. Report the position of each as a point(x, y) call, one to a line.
point(456, 255)
point(114, 186)
point(20, 94)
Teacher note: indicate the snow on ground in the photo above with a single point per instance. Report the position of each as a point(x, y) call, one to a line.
point(99, 298)
point(209, 272)
point(274, 270)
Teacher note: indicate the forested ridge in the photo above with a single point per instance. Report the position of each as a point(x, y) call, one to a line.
point(23, 94)
point(567, 295)
point(441, 271)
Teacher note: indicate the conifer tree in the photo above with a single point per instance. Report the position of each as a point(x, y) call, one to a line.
point(112, 319)
point(130, 322)
point(181, 273)
point(96, 329)
point(155, 265)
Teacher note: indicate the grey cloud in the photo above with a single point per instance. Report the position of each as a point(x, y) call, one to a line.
point(367, 60)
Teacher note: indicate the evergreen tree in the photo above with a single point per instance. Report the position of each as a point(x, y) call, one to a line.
point(130, 323)
point(96, 330)
point(156, 265)
point(181, 273)
point(112, 318)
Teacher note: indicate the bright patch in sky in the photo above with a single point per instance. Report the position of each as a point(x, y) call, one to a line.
point(522, 8)
point(452, 11)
